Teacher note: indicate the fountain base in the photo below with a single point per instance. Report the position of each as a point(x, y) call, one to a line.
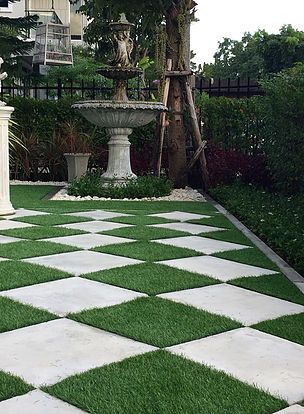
point(119, 165)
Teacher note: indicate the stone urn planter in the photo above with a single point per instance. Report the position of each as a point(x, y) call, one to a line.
point(77, 165)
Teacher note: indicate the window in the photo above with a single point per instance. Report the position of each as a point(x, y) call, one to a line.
point(76, 21)
point(5, 6)
point(3, 3)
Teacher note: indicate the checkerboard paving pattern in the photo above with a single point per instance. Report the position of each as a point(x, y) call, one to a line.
point(73, 342)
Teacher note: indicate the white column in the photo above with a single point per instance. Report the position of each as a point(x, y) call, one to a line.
point(5, 204)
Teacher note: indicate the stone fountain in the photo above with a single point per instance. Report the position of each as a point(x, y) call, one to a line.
point(119, 116)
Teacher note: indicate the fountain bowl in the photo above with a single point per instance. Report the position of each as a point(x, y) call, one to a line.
point(115, 114)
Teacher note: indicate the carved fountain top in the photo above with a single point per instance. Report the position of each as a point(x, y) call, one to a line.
point(3, 75)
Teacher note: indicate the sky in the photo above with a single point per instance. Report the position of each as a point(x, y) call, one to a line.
point(231, 18)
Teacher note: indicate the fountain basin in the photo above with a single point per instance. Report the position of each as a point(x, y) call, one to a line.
point(113, 114)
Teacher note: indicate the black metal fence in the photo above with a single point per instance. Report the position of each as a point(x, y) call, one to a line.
point(234, 88)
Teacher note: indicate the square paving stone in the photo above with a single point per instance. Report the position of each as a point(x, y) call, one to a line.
point(240, 304)
point(89, 241)
point(71, 295)
point(260, 359)
point(6, 239)
point(37, 402)
point(156, 321)
point(94, 226)
point(218, 268)
point(188, 227)
point(22, 212)
point(81, 262)
point(99, 214)
point(179, 216)
point(294, 409)
point(9, 224)
point(202, 244)
point(49, 352)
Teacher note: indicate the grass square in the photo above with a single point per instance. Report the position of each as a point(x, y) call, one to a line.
point(229, 235)
point(32, 248)
point(162, 383)
point(288, 327)
point(12, 386)
point(252, 257)
point(39, 232)
point(156, 321)
point(141, 220)
point(52, 219)
point(145, 233)
point(217, 220)
point(15, 274)
point(148, 251)
point(273, 285)
point(151, 278)
point(15, 315)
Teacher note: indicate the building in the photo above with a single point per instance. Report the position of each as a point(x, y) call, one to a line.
point(43, 8)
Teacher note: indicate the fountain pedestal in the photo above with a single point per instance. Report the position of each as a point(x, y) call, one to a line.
point(119, 165)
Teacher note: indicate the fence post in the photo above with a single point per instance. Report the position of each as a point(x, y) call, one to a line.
point(59, 89)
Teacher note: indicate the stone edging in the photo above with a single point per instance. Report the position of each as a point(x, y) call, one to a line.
point(287, 270)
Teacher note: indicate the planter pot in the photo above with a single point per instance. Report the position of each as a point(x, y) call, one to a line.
point(77, 165)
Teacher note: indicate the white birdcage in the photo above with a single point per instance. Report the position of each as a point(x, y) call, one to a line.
point(53, 44)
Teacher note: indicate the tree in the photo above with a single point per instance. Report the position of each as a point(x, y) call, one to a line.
point(148, 15)
point(257, 54)
point(13, 39)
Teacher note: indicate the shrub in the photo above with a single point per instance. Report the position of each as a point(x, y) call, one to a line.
point(275, 218)
point(91, 184)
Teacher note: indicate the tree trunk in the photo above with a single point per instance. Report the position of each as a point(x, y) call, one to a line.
point(176, 131)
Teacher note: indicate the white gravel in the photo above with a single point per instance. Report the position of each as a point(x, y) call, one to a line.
point(187, 194)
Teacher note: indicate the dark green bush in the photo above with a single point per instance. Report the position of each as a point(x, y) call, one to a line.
point(275, 218)
point(91, 184)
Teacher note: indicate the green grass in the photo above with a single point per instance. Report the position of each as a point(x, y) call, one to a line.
point(15, 315)
point(274, 285)
point(148, 251)
point(27, 248)
point(39, 232)
point(52, 219)
point(12, 386)
point(162, 383)
point(218, 220)
point(288, 327)
point(230, 235)
point(252, 257)
point(141, 220)
point(17, 274)
point(145, 233)
point(151, 278)
point(156, 321)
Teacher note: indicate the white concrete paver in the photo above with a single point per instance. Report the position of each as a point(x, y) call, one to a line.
point(94, 226)
point(257, 358)
point(294, 409)
point(71, 295)
point(22, 212)
point(180, 216)
point(221, 269)
point(6, 239)
point(188, 227)
point(202, 244)
point(47, 353)
point(88, 241)
point(99, 214)
point(240, 304)
point(82, 262)
point(10, 224)
point(37, 402)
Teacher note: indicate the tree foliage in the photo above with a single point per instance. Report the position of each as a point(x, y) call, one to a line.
point(258, 54)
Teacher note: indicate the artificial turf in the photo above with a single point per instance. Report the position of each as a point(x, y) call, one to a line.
point(288, 327)
point(32, 248)
point(140, 220)
point(156, 321)
point(217, 220)
point(40, 232)
point(12, 386)
point(15, 274)
point(145, 233)
point(229, 235)
point(252, 257)
point(52, 219)
point(151, 278)
point(276, 285)
point(148, 251)
point(15, 315)
point(162, 383)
